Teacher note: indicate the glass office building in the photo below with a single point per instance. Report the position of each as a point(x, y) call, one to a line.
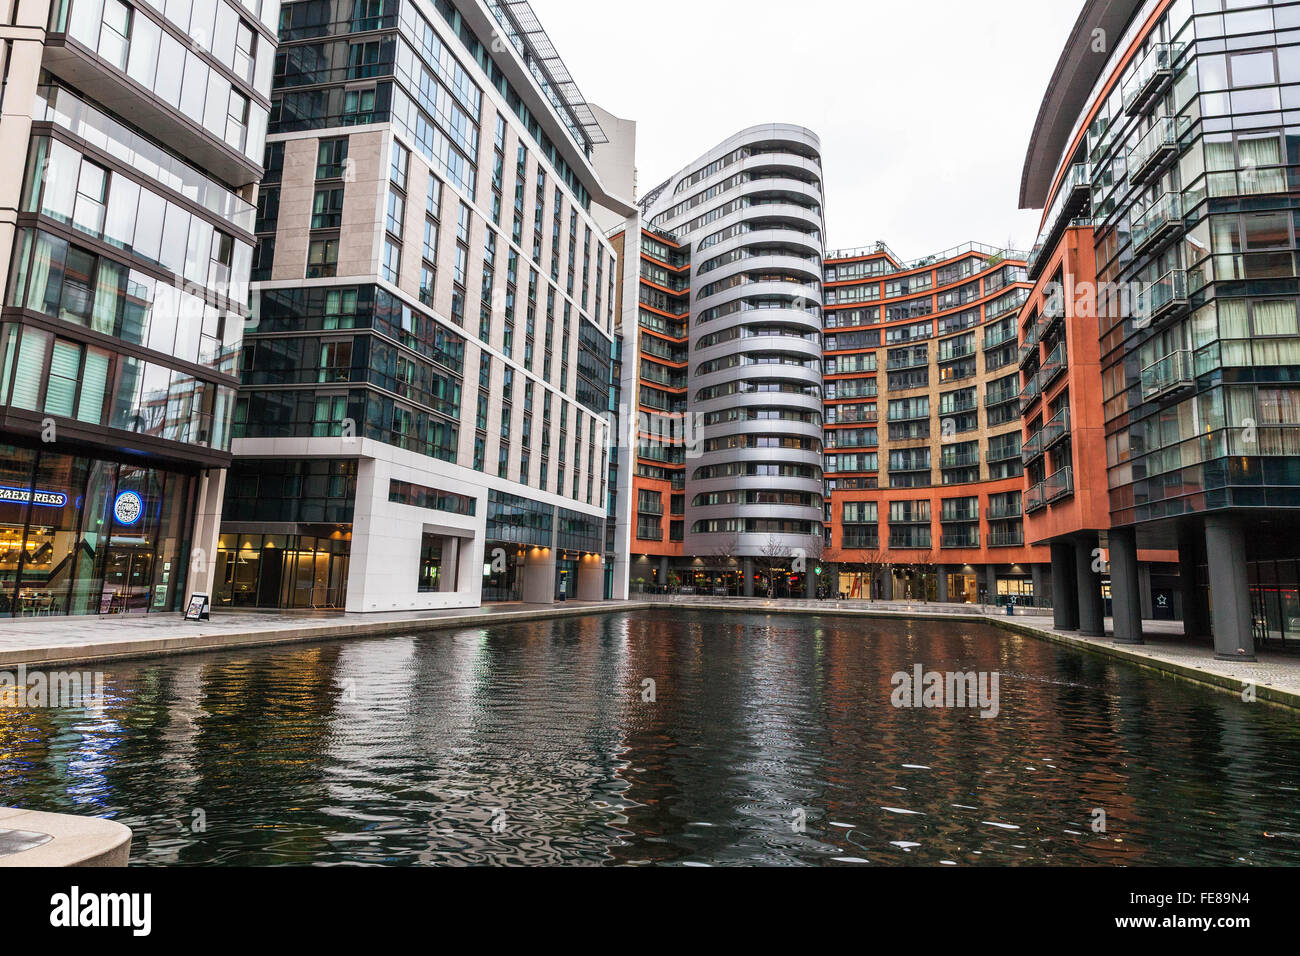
point(127, 245)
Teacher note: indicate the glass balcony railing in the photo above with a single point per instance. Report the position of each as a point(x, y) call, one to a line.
point(1032, 449)
point(1031, 391)
point(1056, 429)
point(1035, 499)
point(1158, 145)
point(1162, 297)
point(1053, 366)
point(1152, 73)
point(1059, 485)
point(1030, 345)
point(1070, 199)
point(1161, 218)
point(1169, 374)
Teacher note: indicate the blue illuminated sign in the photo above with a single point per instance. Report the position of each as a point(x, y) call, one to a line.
point(128, 507)
point(44, 499)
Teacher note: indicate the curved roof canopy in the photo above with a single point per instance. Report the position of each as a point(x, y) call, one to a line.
point(1067, 94)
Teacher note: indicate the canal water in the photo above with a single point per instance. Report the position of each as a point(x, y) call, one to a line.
point(665, 737)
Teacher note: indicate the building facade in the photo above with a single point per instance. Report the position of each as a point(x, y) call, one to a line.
point(424, 414)
point(924, 484)
point(133, 134)
point(1167, 272)
point(747, 217)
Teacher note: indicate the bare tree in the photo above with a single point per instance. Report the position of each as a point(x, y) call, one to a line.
point(773, 555)
point(919, 564)
point(814, 552)
point(872, 561)
point(723, 556)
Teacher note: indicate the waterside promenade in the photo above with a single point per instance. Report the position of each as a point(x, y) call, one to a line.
point(33, 642)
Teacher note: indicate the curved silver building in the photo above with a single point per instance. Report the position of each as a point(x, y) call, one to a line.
point(750, 211)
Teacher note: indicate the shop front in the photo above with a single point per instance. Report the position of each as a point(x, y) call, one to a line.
point(84, 535)
point(306, 569)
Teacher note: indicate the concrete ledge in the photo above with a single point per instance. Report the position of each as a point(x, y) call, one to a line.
point(73, 841)
point(192, 638)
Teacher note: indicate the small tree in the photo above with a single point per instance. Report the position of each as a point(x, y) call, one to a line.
point(872, 561)
point(919, 564)
point(773, 555)
point(723, 556)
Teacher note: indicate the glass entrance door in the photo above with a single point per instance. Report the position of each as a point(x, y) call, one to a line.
point(128, 573)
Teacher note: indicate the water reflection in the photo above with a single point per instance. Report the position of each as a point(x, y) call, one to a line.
point(770, 740)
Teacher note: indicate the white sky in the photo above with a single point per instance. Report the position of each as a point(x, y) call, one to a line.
point(924, 107)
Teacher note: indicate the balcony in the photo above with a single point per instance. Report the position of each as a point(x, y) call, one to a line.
point(1059, 485)
point(960, 539)
point(1150, 77)
point(1003, 511)
point(1162, 299)
point(1053, 366)
point(1155, 149)
point(1173, 373)
point(1029, 346)
point(1035, 499)
point(1057, 429)
point(1071, 199)
point(1162, 220)
point(1006, 539)
point(1032, 449)
point(1030, 392)
point(965, 459)
point(1000, 396)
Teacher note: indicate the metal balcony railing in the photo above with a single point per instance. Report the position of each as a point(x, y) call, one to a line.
point(961, 539)
point(1006, 539)
point(1055, 363)
point(1029, 347)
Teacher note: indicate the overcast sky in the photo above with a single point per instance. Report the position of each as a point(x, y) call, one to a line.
point(924, 107)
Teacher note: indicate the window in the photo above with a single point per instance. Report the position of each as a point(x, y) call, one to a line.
point(327, 209)
point(245, 39)
point(322, 258)
point(358, 107)
point(331, 158)
point(399, 164)
point(392, 265)
point(237, 120)
point(115, 33)
point(92, 198)
point(396, 213)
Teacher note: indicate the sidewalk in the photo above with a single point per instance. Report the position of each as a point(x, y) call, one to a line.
point(36, 641)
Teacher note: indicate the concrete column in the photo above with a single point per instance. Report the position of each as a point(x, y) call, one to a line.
point(1092, 609)
point(449, 572)
point(1125, 586)
point(942, 572)
point(989, 577)
point(1225, 544)
point(591, 578)
point(1038, 572)
point(1065, 599)
point(663, 571)
point(207, 531)
point(539, 576)
point(747, 568)
point(1196, 613)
